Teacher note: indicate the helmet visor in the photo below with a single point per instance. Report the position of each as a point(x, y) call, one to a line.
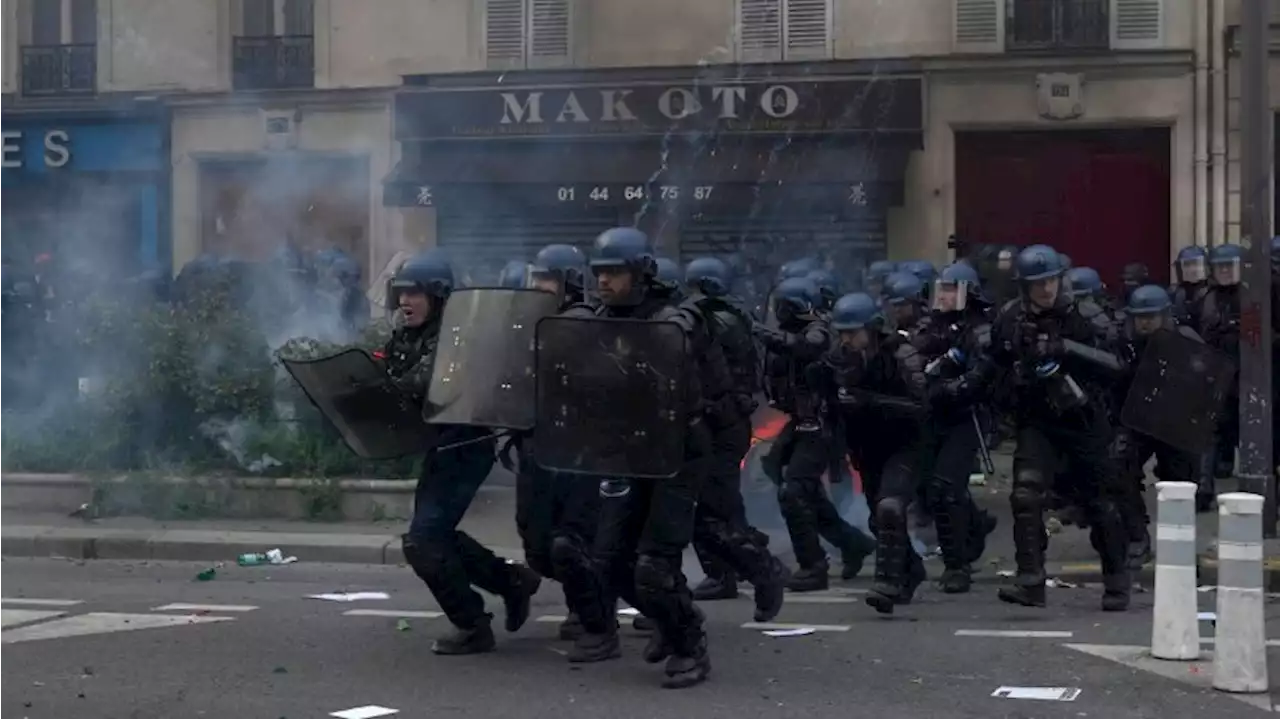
point(1227, 272)
point(949, 296)
point(1192, 270)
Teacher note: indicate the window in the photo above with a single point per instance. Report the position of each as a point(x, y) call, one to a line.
point(528, 33)
point(1057, 24)
point(64, 22)
point(774, 30)
point(274, 18)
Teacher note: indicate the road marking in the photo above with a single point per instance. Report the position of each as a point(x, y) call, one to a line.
point(767, 626)
point(12, 617)
point(1197, 673)
point(371, 711)
point(101, 623)
point(549, 618)
point(179, 607)
point(842, 596)
point(41, 602)
point(391, 613)
point(1013, 634)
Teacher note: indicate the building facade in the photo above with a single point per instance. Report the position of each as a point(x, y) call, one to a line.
point(762, 128)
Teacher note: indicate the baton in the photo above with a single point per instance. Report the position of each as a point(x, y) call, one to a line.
point(984, 453)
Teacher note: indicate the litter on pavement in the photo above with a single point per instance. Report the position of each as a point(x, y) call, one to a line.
point(350, 597)
point(271, 556)
point(628, 612)
point(369, 711)
point(797, 632)
point(1045, 694)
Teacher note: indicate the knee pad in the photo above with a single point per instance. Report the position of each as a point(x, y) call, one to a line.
point(891, 511)
point(565, 552)
point(654, 575)
point(791, 495)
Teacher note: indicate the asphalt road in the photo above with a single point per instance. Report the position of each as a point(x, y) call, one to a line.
point(261, 649)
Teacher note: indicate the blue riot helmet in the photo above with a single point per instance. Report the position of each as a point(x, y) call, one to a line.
point(1225, 261)
point(854, 312)
point(429, 273)
point(668, 270)
point(709, 276)
point(957, 285)
point(564, 263)
point(345, 270)
point(876, 273)
point(1038, 262)
point(1133, 276)
point(923, 269)
point(1084, 282)
point(1192, 265)
point(1067, 264)
point(798, 268)
point(828, 286)
point(794, 298)
point(623, 250)
point(514, 274)
point(1149, 308)
point(901, 288)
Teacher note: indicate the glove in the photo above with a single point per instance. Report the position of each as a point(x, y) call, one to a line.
point(847, 398)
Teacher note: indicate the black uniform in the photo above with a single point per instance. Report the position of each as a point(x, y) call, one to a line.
point(1061, 406)
point(806, 448)
point(882, 406)
point(956, 345)
point(645, 525)
point(1219, 324)
point(722, 537)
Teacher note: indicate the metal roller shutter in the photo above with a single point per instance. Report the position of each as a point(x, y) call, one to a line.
point(847, 244)
point(480, 245)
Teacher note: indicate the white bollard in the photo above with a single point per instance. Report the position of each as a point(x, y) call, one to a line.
point(1240, 648)
point(1175, 629)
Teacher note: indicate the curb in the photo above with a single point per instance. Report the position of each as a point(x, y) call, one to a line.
point(202, 545)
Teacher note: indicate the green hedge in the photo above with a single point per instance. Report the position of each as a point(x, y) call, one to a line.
point(188, 388)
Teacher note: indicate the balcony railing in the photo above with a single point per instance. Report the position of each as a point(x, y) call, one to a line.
point(271, 63)
point(1058, 25)
point(59, 69)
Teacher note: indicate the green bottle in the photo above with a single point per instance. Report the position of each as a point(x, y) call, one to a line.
point(252, 559)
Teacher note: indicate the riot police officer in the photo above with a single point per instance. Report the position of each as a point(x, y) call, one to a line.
point(904, 301)
point(556, 516)
point(1219, 324)
point(668, 271)
point(726, 544)
point(800, 267)
point(1060, 364)
point(953, 338)
point(1133, 276)
point(338, 286)
point(448, 560)
point(876, 274)
point(646, 525)
point(1086, 287)
point(880, 391)
point(1150, 310)
point(1191, 274)
point(807, 446)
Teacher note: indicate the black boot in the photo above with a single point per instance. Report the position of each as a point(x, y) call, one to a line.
point(891, 556)
point(1115, 592)
point(686, 671)
point(771, 590)
point(571, 628)
point(1030, 543)
point(643, 625)
point(476, 639)
point(855, 552)
point(982, 523)
point(1027, 595)
point(955, 528)
point(590, 648)
point(657, 649)
point(712, 588)
point(518, 600)
point(813, 578)
point(956, 581)
point(916, 575)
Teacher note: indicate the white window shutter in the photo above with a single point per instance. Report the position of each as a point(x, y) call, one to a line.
point(550, 32)
point(807, 29)
point(759, 30)
point(1137, 24)
point(978, 26)
point(504, 33)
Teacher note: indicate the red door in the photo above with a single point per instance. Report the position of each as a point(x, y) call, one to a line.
point(1100, 196)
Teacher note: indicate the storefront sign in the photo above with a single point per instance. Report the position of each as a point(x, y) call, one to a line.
point(767, 107)
point(56, 149)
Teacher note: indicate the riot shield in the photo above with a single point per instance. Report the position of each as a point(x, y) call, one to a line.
point(1178, 391)
point(610, 398)
point(353, 392)
point(483, 373)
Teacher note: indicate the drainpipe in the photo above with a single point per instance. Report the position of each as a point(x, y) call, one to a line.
point(1218, 156)
point(1203, 18)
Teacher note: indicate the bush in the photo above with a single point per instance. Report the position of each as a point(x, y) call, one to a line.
point(139, 386)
